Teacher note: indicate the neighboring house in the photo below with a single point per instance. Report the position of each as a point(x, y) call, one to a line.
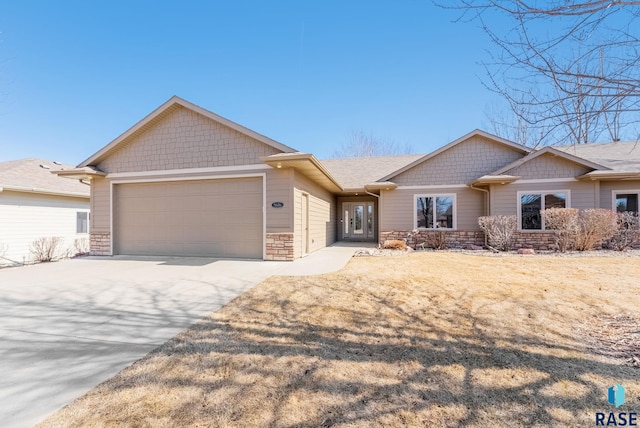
point(34, 204)
point(185, 181)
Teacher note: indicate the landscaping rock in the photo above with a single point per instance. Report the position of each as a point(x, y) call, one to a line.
point(526, 251)
point(474, 248)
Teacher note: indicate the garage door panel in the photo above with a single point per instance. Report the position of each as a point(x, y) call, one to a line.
point(214, 218)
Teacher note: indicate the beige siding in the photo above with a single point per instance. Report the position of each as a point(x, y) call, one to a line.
point(27, 217)
point(181, 138)
point(280, 189)
point(504, 199)
point(100, 203)
point(460, 164)
point(548, 166)
point(322, 215)
point(397, 207)
point(607, 188)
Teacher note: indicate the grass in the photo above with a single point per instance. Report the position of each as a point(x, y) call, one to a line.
point(427, 339)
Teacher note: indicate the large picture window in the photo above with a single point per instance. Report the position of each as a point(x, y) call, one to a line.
point(435, 211)
point(531, 205)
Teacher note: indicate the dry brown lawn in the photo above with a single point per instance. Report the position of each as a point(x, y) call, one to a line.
point(427, 339)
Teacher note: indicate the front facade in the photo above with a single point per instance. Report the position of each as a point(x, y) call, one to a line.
point(36, 204)
point(186, 182)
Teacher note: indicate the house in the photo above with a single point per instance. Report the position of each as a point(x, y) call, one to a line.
point(36, 204)
point(185, 181)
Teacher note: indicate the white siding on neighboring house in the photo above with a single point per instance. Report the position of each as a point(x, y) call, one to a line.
point(26, 217)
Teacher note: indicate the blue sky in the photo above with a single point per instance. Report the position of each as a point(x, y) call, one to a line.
point(76, 74)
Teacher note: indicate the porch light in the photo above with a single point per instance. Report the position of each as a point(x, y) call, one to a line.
point(279, 165)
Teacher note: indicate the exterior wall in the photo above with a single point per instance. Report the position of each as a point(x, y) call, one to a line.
point(608, 187)
point(397, 207)
point(279, 247)
point(504, 198)
point(460, 164)
point(27, 217)
point(321, 213)
point(280, 189)
point(455, 238)
point(181, 138)
point(548, 166)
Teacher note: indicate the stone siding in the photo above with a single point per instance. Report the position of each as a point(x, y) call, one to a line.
point(279, 247)
point(463, 239)
point(100, 243)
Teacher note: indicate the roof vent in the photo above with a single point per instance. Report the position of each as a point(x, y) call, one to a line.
point(44, 166)
point(56, 163)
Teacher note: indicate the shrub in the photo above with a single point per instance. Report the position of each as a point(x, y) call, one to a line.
point(627, 234)
point(47, 249)
point(500, 230)
point(565, 225)
point(579, 230)
point(394, 244)
point(594, 227)
point(81, 246)
point(436, 239)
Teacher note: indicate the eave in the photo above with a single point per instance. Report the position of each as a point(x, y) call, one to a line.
point(494, 179)
point(307, 164)
point(43, 191)
point(82, 173)
point(610, 175)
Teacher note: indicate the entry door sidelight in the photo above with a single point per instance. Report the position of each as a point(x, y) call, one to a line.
point(357, 220)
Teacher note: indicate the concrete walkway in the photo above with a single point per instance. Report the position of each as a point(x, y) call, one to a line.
point(326, 260)
point(65, 327)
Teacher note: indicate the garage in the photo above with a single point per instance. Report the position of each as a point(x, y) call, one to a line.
point(208, 218)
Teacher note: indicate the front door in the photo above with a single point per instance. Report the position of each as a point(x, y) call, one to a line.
point(358, 220)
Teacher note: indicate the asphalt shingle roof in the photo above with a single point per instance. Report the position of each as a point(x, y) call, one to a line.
point(621, 156)
point(27, 173)
point(354, 173)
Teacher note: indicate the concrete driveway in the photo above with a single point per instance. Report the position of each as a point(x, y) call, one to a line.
point(67, 326)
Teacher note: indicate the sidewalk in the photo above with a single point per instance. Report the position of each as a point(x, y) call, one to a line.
point(326, 260)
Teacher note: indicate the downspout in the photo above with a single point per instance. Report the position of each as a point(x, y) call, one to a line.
point(486, 206)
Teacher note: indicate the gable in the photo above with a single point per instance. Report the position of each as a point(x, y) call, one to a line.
point(183, 138)
point(548, 166)
point(460, 163)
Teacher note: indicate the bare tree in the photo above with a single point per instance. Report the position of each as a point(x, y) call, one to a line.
point(568, 69)
point(362, 144)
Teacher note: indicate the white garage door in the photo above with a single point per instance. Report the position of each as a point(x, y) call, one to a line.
point(210, 218)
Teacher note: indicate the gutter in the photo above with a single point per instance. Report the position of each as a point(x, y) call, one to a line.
point(43, 191)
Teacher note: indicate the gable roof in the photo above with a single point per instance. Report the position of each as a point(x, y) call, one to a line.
point(474, 133)
point(618, 156)
point(355, 173)
point(552, 151)
point(27, 175)
point(172, 103)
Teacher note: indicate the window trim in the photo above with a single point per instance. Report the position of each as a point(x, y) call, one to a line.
point(542, 193)
point(616, 192)
point(435, 195)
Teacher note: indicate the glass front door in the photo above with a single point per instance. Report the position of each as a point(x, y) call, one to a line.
point(357, 220)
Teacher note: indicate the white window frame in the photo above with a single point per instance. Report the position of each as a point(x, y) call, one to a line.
point(615, 193)
point(88, 220)
point(542, 193)
point(435, 195)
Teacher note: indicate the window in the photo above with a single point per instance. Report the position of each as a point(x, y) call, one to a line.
point(532, 203)
point(626, 202)
point(82, 222)
point(435, 211)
